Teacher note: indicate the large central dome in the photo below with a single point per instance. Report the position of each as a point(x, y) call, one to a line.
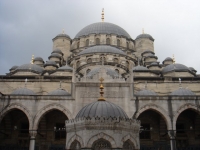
point(102, 28)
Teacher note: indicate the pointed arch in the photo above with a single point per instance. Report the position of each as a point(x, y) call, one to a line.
point(73, 138)
point(20, 107)
point(48, 108)
point(159, 110)
point(183, 108)
point(101, 136)
point(133, 141)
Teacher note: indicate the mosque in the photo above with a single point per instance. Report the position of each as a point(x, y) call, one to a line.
point(100, 90)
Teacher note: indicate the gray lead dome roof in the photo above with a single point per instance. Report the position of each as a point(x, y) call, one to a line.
point(182, 91)
point(59, 92)
point(146, 92)
point(102, 28)
point(31, 67)
point(102, 49)
point(23, 91)
point(175, 67)
point(101, 109)
point(145, 36)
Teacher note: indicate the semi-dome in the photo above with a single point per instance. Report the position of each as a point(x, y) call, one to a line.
point(23, 91)
point(146, 92)
point(109, 71)
point(101, 109)
point(30, 67)
point(145, 36)
point(13, 68)
point(181, 92)
point(102, 28)
point(175, 67)
point(65, 68)
point(140, 68)
point(102, 49)
point(38, 59)
point(58, 92)
point(56, 55)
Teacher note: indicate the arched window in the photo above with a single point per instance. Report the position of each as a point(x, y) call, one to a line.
point(75, 145)
point(118, 42)
point(89, 60)
point(87, 42)
point(115, 60)
point(128, 145)
point(101, 144)
point(97, 41)
point(103, 58)
point(127, 45)
point(78, 64)
point(108, 41)
point(77, 44)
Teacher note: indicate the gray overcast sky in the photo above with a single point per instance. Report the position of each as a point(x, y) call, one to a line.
point(27, 27)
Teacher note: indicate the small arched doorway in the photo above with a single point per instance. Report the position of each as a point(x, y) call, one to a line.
point(153, 130)
point(128, 145)
point(14, 130)
point(101, 144)
point(187, 129)
point(75, 145)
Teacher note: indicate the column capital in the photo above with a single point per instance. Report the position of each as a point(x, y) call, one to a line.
point(32, 134)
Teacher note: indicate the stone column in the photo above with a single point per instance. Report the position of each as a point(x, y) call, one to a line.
point(32, 140)
point(172, 139)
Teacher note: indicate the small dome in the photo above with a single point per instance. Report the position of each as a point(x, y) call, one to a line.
point(145, 92)
point(192, 69)
point(168, 59)
point(51, 63)
point(55, 55)
point(65, 68)
point(101, 109)
point(140, 68)
point(145, 36)
point(22, 91)
point(102, 28)
point(175, 67)
point(13, 68)
point(58, 92)
point(102, 49)
point(38, 59)
point(62, 35)
point(154, 64)
point(30, 67)
point(58, 51)
point(147, 51)
point(182, 91)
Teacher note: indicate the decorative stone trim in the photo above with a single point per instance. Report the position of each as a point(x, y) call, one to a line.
point(158, 109)
point(101, 136)
point(46, 109)
point(73, 138)
point(20, 107)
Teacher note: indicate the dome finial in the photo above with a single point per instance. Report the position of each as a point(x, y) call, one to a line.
point(142, 30)
point(173, 58)
point(63, 31)
point(102, 15)
point(101, 88)
point(32, 59)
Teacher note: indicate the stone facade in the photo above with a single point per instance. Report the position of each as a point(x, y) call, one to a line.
point(168, 109)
